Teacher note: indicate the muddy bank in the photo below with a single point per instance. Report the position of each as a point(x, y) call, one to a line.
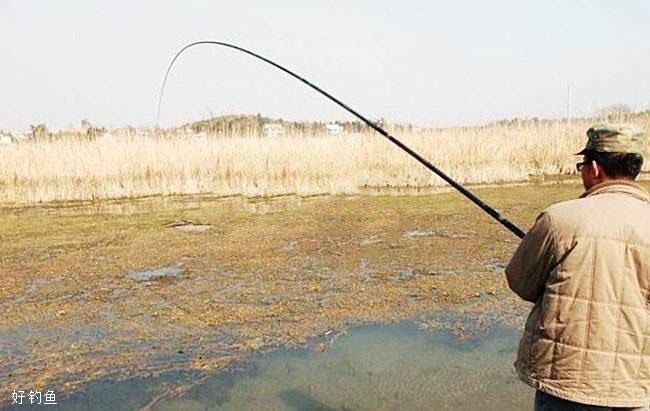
point(90, 292)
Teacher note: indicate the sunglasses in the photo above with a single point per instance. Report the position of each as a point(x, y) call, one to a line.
point(580, 165)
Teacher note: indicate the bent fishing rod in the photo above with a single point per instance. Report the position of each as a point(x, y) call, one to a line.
point(471, 196)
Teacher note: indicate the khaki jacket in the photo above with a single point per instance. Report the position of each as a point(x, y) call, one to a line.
point(586, 266)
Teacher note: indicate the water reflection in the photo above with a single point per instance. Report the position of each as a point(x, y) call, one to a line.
point(370, 368)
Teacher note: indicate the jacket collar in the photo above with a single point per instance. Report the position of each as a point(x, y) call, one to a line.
point(618, 186)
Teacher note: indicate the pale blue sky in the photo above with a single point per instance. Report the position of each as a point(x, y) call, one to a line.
point(425, 62)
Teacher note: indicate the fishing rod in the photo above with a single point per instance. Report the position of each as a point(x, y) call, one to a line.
point(471, 196)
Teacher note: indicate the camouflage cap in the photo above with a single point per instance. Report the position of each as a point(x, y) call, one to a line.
point(615, 138)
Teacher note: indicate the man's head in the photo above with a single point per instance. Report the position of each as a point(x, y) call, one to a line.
point(613, 152)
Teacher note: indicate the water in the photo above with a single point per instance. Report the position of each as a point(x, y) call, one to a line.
point(386, 367)
point(157, 274)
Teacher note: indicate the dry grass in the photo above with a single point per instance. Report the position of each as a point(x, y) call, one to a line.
point(127, 166)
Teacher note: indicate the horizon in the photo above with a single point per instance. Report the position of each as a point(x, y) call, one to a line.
point(595, 116)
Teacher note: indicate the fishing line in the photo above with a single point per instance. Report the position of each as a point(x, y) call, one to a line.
point(468, 194)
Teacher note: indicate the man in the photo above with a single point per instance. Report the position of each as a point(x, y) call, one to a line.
point(586, 266)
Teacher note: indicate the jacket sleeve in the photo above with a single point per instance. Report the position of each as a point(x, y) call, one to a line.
point(529, 267)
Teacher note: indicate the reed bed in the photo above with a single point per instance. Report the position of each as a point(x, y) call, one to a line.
point(127, 166)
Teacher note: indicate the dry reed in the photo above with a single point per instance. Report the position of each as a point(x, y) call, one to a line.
point(133, 166)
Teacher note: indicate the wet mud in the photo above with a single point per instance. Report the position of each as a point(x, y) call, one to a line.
point(120, 291)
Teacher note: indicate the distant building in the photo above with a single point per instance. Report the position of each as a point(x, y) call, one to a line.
point(333, 128)
point(272, 130)
point(6, 138)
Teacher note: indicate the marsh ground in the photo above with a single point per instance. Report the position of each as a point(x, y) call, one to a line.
point(137, 288)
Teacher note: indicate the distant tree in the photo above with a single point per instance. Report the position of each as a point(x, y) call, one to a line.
point(94, 132)
point(616, 109)
point(39, 131)
point(89, 131)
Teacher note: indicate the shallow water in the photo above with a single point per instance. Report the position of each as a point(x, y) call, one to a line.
point(156, 274)
point(89, 296)
point(379, 367)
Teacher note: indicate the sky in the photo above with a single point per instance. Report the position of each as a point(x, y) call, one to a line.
point(431, 63)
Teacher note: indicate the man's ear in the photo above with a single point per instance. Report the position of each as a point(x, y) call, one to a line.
point(597, 170)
